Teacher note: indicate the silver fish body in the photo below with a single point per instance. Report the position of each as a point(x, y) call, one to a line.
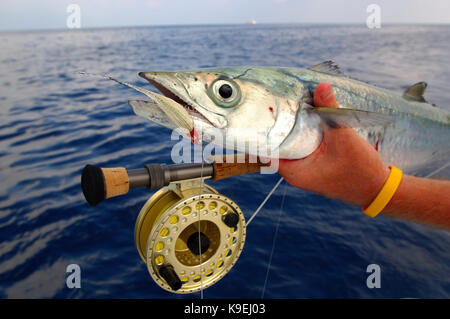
point(270, 107)
point(418, 138)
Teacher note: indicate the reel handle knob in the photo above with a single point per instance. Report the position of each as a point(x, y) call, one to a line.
point(230, 219)
point(170, 276)
point(101, 183)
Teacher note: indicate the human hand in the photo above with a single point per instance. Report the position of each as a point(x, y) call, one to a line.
point(344, 166)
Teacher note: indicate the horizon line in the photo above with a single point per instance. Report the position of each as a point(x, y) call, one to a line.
point(221, 24)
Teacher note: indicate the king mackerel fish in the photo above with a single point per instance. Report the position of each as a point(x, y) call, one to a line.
point(270, 107)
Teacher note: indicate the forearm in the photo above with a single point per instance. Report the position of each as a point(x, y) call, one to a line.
point(421, 200)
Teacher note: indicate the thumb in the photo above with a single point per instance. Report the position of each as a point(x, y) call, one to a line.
point(324, 96)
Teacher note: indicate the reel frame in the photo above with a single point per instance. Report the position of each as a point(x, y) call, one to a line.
point(174, 220)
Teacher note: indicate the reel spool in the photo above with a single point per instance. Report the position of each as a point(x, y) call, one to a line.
point(189, 235)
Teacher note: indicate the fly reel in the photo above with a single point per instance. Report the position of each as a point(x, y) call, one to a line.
point(189, 235)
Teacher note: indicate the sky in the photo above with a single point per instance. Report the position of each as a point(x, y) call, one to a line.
point(52, 14)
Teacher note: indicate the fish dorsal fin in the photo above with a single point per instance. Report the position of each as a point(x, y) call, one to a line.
point(415, 92)
point(327, 67)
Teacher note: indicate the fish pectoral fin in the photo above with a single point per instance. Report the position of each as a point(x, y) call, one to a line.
point(346, 117)
point(415, 92)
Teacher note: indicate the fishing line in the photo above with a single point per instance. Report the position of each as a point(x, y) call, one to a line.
point(274, 240)
point(265, 200)
point(438, 170)
point(199, 222)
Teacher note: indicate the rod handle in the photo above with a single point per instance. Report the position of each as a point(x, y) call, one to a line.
point(101, 183)
point(237, 165)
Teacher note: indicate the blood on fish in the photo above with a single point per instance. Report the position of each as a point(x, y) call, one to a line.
point(271, 109)
point(194, 136)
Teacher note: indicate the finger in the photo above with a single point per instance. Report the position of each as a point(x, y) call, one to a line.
point(324, 96)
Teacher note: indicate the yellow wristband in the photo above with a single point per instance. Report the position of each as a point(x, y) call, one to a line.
point(386, 193)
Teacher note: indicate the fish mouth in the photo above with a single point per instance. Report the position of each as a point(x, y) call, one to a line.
point(162, 81)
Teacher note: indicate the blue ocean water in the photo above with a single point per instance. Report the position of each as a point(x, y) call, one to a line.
point(54, 121)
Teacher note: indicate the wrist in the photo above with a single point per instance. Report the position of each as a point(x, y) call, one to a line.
point(374, 184)
point(386, 193)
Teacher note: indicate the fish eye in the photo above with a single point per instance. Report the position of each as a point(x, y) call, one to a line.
point(224, 92)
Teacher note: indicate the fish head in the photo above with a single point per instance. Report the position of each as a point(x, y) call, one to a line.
point(251, 106)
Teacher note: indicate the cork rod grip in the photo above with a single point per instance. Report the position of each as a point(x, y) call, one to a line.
point(101, 183)
point(239, 164)
point(116, 181)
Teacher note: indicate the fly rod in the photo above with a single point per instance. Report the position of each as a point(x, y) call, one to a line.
point(100, 183)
